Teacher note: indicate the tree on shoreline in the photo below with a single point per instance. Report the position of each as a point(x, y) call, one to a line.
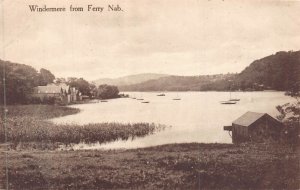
point(19, 81)
point(46, 77)
point(107, 91)
point(290, 115)
point(82, 85)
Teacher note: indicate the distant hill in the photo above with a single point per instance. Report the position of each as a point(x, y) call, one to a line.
point(280, 71)
point(129, 80)
point(177, 83)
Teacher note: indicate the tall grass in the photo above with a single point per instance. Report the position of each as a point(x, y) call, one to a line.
point(27, 124)
point(39, 111)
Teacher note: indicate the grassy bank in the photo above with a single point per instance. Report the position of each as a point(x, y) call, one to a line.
point(26, 126)
point(38, 111)
point(177, 166)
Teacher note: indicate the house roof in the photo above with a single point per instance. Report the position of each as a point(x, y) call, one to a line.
point(248, 118)
point(51, 88)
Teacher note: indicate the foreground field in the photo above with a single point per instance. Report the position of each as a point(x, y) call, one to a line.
point(177, 166)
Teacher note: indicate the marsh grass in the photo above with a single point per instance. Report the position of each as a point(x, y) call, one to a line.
point(38, 111)
point(27, 124)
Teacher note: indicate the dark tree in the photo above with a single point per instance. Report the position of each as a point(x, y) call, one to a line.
point(82, 85)
point(19, 80)
point(106, 92)
point(60, 80)
point(46, 77)
point(93, 91)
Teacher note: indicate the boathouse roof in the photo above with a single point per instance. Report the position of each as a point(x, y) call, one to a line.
point(248, 118)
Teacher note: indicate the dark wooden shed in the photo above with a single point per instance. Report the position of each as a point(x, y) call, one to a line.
point(255, 127)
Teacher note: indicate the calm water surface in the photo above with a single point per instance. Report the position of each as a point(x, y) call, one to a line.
point(197, 117)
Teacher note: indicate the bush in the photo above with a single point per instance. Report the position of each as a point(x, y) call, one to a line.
point(290, 134)
point(290, 116)
point(34, 100)
point(45, 100)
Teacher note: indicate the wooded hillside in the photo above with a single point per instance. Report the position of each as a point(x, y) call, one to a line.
point(280, 71)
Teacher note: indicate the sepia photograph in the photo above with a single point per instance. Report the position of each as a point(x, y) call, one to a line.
point(149, 94)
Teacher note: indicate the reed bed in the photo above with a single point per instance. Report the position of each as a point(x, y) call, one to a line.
point(27, 124)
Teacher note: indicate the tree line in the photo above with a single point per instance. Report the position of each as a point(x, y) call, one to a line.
point(20, 80)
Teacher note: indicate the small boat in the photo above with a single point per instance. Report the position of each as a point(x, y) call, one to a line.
point(176, 98)
point(103, 101)
point(140, 98)
point(146, 102)
point(160, 95)
point(232, 99)
point(228, 102)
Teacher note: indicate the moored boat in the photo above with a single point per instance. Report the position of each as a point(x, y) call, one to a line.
point(228, 102)
point(177, 96)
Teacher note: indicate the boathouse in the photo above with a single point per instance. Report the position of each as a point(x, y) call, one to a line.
point(255, 127)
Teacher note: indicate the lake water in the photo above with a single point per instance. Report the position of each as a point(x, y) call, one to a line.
point(197, 117)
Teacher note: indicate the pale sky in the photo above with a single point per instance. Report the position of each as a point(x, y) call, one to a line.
point(180, 37)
